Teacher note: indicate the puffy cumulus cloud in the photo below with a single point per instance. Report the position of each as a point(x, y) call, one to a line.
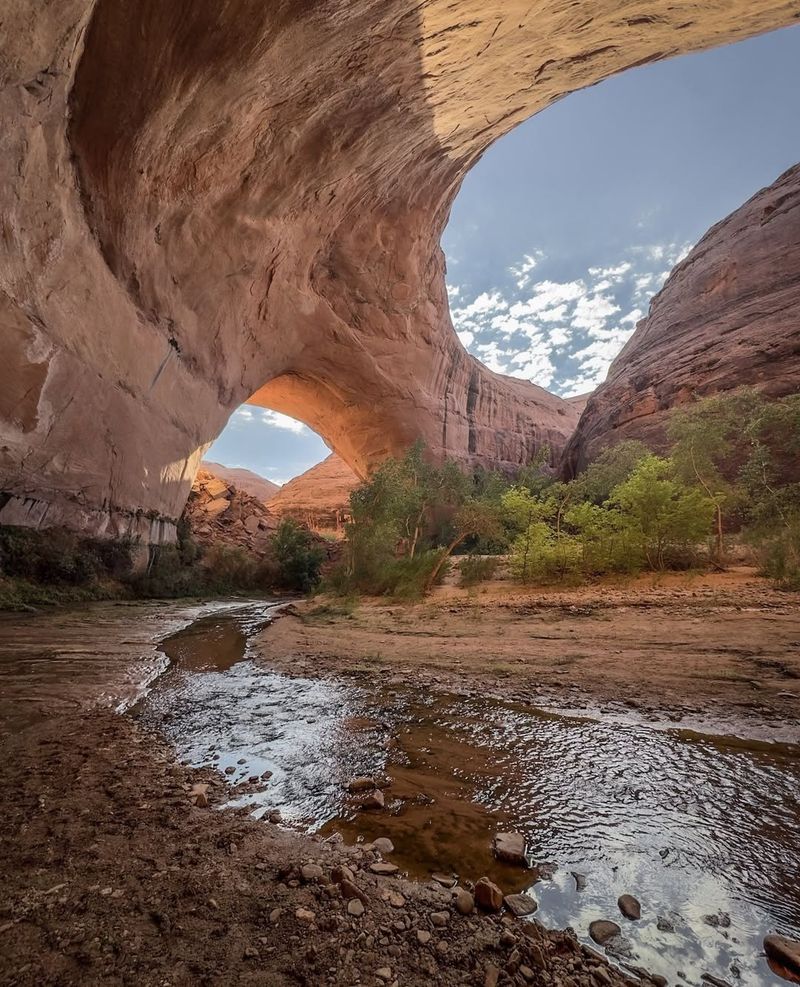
point(562, 333)
point(243, 415)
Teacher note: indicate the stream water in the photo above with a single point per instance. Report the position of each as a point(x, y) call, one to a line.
point(703, 830)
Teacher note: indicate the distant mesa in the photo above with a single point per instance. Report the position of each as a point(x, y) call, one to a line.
point(318, 498)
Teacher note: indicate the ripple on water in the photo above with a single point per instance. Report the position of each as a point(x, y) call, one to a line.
point(692, 825)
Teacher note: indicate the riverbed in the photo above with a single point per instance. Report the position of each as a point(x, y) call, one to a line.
point(703, 829)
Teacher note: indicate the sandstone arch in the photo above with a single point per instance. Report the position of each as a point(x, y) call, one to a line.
point(207, 202)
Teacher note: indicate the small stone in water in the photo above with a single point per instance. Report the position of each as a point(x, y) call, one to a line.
point(510, 848)
point(361, 784)
point(602, 931)
point(383, 868)
point(383, 845)
point(374, 800)
point(784, 951)
point(580, 880)
point(629, 907)
point(664, 924)
point(446, 880)
point(488, 896)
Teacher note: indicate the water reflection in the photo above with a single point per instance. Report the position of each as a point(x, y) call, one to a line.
point(700, 829)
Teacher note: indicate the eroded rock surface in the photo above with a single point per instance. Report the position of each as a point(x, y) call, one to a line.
point(320, 497)
point(728, 315)
point(204, 204)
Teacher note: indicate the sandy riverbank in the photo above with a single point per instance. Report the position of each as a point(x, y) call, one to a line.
point(716, 652)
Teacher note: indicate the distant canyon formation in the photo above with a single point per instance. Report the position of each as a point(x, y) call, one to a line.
point(208, 203)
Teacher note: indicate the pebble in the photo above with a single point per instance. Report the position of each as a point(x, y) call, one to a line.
point(602, 931)
point(440, 919)
point(304, 915)
point(374, 800)
point(785, 951)
point(464, 902)
point(445, 880)
point(492, 975)
point(629, 907)
point(383, 869)
point(580, 881)
point(311, 872)
point(360, 784)
point(355, 907)
point(384, 973)
point(664, 924)
point(383, 845)
point(423, 937)
point(341, 873)
point(520, 904)
point(396, 900)
point(510, 848)
point(488, 896)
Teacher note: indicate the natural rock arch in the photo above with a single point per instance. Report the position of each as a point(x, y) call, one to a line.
point(206, 203)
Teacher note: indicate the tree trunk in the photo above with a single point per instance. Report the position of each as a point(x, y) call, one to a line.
point(438, 567)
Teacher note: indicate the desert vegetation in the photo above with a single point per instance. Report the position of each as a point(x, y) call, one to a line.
point(729, 479)
point(58, 566)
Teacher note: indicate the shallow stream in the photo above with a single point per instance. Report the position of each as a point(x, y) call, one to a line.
point(703, 830)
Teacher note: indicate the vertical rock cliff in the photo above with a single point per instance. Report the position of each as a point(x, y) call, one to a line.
point(209, 203)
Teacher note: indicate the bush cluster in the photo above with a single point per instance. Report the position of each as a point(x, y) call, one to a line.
point(728, 470)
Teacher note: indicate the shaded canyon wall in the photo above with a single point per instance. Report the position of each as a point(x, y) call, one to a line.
point(203, 203)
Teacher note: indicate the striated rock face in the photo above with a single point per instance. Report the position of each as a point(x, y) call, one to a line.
point(728, 316)
point(251, 483)
point(319, 498)
point(209, 203)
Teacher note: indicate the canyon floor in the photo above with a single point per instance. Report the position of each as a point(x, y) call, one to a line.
point(710, 649)
point(116, 872)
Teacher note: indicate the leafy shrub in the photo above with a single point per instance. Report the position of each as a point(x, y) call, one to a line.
point(476, 569)
point(297, 558)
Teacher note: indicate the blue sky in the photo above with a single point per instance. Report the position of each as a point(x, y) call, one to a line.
point(566, 228)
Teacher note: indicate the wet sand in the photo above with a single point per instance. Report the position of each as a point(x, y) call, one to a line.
point(717, 653)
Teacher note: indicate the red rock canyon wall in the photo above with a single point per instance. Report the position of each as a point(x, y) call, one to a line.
point(204, 203)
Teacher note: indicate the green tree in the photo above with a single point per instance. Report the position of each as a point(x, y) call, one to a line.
point(612, 467)
point(703, 437)
point(669, 516)
point(477, 517)
point(298, 557)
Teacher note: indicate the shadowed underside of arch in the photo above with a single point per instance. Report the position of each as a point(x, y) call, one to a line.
point(208, 203)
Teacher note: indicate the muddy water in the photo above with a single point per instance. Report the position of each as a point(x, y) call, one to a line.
point(704, 830)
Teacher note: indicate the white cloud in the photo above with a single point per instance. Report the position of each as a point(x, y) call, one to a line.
point(467, 337)
point(276, 420)
point(562, 334)
point(243, 414)
point(522, 271)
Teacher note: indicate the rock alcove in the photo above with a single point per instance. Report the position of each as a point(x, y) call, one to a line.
point(210, 203)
